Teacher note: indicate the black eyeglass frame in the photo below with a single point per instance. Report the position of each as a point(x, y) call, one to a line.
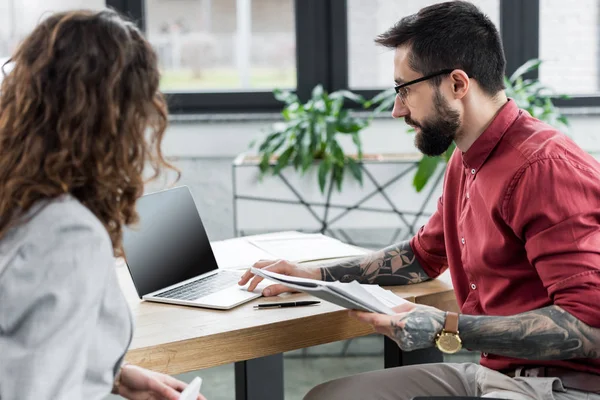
point(423, 78)
point(398, 88)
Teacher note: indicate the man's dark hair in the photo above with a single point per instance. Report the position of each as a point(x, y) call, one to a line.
point(454, 34)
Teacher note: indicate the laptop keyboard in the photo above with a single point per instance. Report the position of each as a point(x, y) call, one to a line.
point(201, 287)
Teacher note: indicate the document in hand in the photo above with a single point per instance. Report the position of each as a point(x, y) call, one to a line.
point(192, 391)
point(353, 295)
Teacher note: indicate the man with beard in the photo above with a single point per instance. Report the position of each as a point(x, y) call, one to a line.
point(518, 225)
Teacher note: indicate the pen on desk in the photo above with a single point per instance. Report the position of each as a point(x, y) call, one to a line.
point(288, 304)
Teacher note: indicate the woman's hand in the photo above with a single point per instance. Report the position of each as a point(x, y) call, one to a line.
point(137, 383)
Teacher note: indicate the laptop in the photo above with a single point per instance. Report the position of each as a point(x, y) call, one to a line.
point(170, 259)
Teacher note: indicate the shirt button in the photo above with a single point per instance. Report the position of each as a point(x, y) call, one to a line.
point(473, 171)
point(462, 240)
point(473, 286)
point(468, 197)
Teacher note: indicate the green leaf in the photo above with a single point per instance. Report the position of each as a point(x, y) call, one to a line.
point(336, 106)
point(525, 68)
point(283, 159)
point(278, 144)
point(300, 150)
point(264, 163)
point(358, 143)
point(298, 157)
point(382, 96)
point(307, 159)
point(348, 95)
point(315, 140)
point(425, 171)
point(323, 170)
point(293, 108)
point(385, 105)
point(355, 169)
point(337, 154)
point(317, 92)
point(351, 125)
point(448, 153)
point(267, 141)
point(563, 120)
point(338, 176)
point(285, 95)
point(320, 106)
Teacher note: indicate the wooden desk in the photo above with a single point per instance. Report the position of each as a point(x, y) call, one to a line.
point(176, 339)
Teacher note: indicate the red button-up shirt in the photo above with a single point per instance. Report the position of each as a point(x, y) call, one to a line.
point(518, 225)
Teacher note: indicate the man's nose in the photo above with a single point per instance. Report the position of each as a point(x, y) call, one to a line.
point(400, 110)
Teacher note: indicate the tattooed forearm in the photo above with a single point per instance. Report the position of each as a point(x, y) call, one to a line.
point(394, 265)
point(549, 333)
point(418, 328)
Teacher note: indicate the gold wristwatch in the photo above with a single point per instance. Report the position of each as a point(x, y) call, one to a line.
point(448, 340)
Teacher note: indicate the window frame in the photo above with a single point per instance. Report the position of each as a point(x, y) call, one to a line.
point(322, 56)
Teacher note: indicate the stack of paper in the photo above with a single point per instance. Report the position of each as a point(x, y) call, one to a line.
point(353, 295)
point(386, 296)
point(291, 246)
point(238, 253)
point(306, 247)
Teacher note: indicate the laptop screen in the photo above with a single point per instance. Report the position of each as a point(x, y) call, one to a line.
point(169, 244)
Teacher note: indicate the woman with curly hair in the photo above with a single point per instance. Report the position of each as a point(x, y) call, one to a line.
point(80, 117)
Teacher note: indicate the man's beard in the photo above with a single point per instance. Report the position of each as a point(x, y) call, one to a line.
point(436, 134)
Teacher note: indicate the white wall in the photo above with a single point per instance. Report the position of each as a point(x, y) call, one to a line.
point(226, 139)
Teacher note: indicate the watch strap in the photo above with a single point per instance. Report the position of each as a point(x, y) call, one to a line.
point(451, 324)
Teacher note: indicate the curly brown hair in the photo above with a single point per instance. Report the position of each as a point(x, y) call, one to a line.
point(74, 114)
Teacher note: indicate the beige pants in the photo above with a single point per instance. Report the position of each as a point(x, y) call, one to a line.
point(404, 383)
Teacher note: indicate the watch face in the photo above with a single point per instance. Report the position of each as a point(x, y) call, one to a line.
point(449, 343)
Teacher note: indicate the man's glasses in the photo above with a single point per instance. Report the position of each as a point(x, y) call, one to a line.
point(402, 91)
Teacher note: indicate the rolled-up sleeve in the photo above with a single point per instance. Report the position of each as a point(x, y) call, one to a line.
point(47, 310)
point(428, 244)
point(560, 225)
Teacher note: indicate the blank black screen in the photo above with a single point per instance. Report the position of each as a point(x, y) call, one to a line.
point(169, 244)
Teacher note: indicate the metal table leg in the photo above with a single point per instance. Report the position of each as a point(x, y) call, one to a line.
point(260, 378)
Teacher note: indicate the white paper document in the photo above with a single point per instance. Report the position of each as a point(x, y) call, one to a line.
point(306, 247)
point(386, 296)
point(353, 295)
point(192, 391)
point(243, 252)
point(238, 253)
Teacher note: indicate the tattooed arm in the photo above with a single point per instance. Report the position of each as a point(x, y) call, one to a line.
point(394, 265)
point(549, 333)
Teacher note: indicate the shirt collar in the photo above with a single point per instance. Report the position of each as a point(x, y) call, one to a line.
point(483, 146)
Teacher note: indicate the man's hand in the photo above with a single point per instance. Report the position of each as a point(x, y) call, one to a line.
point(414, 327)
point(280, 267)
point(141, 384)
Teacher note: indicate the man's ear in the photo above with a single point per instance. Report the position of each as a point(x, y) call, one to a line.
point(460, 83)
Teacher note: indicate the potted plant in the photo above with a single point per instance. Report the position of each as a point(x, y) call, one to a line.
point(529, 94)
point(310, 133)
point(308, 172)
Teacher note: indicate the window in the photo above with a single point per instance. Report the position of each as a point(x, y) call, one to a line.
point(569, 46)
point(226, 56)
point(19, 17)
point(217, 45)
point(371, 66)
